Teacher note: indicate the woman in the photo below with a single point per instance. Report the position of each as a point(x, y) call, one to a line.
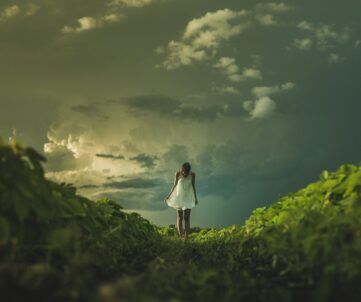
point(184, 197)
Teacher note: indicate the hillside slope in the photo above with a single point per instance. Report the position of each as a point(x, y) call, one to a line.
point(56, 245)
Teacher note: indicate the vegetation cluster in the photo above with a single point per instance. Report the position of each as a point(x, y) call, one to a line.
point(56, 245)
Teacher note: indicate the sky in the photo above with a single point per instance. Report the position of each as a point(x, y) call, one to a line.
point(259, 96)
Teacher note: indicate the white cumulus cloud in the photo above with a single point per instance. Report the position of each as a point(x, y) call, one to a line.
point(324, 36)
point(9, 12)
point(88, 23)
point(263, 107)
point(229, 67)
point(268, 90)
point(203, 36)
point(303, 44)
point(266, 19)
point(12, 11)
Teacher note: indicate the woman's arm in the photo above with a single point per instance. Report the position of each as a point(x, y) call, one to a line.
point(194, 186)
point(174, 184)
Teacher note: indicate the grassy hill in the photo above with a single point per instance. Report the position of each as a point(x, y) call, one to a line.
point(56, 245)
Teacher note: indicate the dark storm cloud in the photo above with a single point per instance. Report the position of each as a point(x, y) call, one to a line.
point(176, 155)
point(61, 160)
point(88, 186)
point(169, 107)
point(43, 70)
point(110, 156)
point(166, 106)
point(137, 199)
point(89, 110)
point(145, 160)
point(154, 103)
point(137, 193)
point(137, 183)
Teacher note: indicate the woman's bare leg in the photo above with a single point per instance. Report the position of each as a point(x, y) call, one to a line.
point(180, 222)
point(187, 213)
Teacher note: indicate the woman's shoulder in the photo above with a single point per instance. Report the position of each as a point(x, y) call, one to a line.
point(178, 173)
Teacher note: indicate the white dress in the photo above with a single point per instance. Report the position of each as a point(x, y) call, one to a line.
point(182, 196)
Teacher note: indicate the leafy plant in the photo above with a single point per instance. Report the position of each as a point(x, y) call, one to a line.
point(57, 245)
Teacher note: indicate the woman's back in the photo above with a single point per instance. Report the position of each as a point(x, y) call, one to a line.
point(183, 195)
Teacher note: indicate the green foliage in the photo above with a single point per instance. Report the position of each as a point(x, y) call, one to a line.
point(59, 246)
point(312, 237)
point(45, 222)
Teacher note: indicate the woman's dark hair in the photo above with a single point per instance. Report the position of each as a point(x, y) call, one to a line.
point(187, 166)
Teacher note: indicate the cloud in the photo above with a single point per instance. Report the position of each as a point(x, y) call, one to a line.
point(9, 12)
point(145, 175)
point(263, 107)
point(113, 14)
point(176, 155)
point(93, 145)
point(89, 23)
point(266, 19)
point(82, 137)
point(139, 199)
point(268, 90)
point(88, 186)
point(251, 73)
point(248, 105)
point(230, 89)
point(233, 159)
point(184, 112)
point(303, 44)
point(227, 165)
point(154, 103)
point(322, 36)
point(130, 3)
point(78, 177)
point(226, 89)
point(92, 110)
point(145, 160)
point(335, 58)
point(84, 108)
point(262, 12)
point(110, 156)
point(217, 24)
point(203, 36)
point(166, 106)
point(66, 137)
point(134, 183)
point(61, 158)
point(229, 67)
point(31, 9)
point(273, 6)
point(12, 11)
